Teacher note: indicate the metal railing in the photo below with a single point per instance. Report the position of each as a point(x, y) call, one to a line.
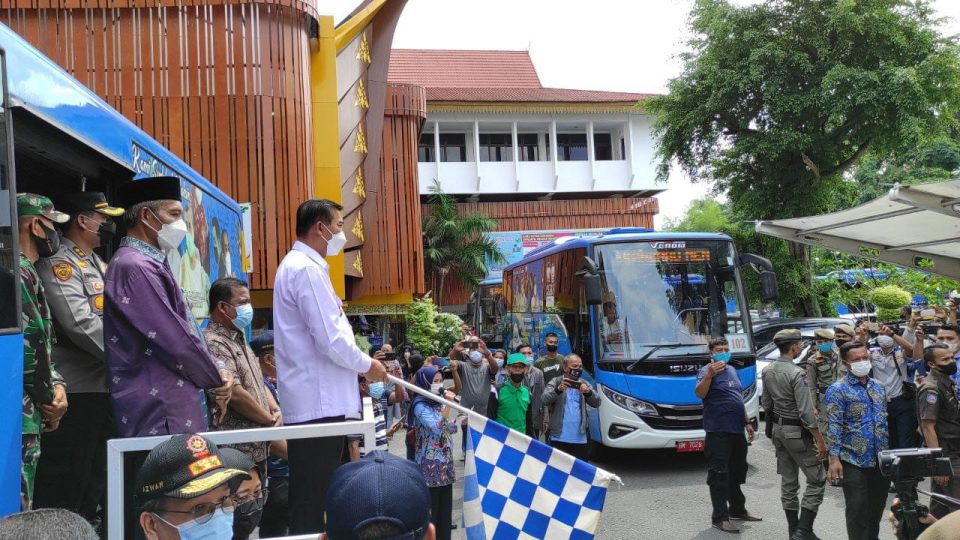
point(116, 448)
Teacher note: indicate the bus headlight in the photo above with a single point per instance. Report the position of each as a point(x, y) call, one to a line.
point(640, 408)
point(749, 393)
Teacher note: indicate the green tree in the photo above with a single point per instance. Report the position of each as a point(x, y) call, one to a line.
point(933, 160)
point(421, 325)
point(778, 100)
point(456, 245)
point(704, 215)
point(449, 328)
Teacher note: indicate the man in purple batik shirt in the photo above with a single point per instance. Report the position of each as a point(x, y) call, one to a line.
point(158, 363)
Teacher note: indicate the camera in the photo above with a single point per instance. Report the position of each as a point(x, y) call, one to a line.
point(906, 467)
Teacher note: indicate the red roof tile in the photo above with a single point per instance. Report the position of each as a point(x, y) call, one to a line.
point(463, 69)
point(531, 94)
point(486, 76)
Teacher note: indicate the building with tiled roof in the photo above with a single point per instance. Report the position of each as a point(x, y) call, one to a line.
point(490, 121)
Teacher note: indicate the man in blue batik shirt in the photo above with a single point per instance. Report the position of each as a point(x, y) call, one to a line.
point(856, 411)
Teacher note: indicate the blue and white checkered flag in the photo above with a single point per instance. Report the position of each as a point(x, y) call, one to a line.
point(516, 487)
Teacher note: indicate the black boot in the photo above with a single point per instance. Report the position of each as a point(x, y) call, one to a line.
point(792, 519)
point(805, 526)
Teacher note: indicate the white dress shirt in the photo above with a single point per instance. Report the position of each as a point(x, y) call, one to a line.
point(317, 358)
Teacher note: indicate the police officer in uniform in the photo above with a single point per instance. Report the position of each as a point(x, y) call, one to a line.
point(822, 365)
point(72, 469)
point(792, 424)
point(939, 412)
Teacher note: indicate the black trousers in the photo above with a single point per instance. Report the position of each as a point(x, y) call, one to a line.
point(312, 463)
point(902, 419)
point(273, 522)
point(726, 455)
point(441, 510)
point(576, 450)
point(865, 496)
point(72, 472)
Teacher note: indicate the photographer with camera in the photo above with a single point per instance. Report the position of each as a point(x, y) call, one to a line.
point(567, 397)
point(939, 412)
point(476, 367)
point(856, 410)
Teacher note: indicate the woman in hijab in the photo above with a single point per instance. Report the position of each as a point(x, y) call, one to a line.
point(434, 451)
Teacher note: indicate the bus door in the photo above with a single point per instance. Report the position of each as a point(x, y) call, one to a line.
point(11, 336)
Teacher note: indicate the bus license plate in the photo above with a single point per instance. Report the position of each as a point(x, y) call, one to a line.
point(690, 446)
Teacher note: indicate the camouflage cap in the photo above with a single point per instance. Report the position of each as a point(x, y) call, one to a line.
point(31, 204)
point(823, 333)
point(787, 334)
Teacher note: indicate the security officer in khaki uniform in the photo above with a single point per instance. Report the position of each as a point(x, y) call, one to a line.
point(822, 363)
point(939, 412)
point(792, 424)
point(72, 469)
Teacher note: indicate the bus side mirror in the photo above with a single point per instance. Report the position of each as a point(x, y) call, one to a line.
point(591, 289)
point(768, 286)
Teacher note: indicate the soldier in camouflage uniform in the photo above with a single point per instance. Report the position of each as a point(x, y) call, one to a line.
point(44, 391)
point(823, 365)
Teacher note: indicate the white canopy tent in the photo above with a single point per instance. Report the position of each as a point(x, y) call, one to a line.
point(915, 226)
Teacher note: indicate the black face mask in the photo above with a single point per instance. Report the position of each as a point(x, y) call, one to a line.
point(551, 348)
point(575, 373)
point(841, 342)
point(107, 231)
point(47, 247)
point(949, 369)
point(516, 377)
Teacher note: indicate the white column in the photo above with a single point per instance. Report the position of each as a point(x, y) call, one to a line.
point(476, 150)
point(628, 151)
point(553, 153)
point(590, 156)
point(516, 155)
point(436, 148)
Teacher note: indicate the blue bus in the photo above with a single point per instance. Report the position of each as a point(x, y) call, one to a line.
point(57, 136)
point(639, 307)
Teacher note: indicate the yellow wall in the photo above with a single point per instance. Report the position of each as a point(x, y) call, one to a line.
point(326, 151)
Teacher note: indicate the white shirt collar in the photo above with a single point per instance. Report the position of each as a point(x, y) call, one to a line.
point(312, 253)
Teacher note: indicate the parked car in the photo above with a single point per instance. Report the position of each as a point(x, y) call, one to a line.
point(763, 331)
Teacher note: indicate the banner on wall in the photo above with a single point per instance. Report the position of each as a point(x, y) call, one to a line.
point(515, 244)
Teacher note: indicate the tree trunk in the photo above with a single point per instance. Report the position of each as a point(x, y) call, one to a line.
point(443, 277)
point(807, 306)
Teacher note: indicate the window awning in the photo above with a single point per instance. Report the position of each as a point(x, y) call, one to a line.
point(916, 226)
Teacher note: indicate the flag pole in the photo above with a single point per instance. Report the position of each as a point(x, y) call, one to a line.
point(427, 394)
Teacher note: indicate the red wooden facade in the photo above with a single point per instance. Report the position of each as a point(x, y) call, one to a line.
point(222, 83)
point(393, 246)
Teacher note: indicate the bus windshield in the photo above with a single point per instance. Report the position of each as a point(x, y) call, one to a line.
point(491, 308)
point(669, 298)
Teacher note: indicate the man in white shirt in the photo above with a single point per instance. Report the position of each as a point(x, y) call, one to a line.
point(317, 358)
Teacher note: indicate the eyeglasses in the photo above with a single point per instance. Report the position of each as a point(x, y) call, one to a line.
point(202, 512)
point(252, 503)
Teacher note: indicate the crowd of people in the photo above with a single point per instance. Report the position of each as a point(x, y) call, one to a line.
point(832, 405)
point(112, 350)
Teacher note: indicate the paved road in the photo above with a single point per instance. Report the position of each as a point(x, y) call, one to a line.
point(665, 496)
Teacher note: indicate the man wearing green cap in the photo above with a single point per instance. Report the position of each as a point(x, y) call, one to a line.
point(510, 404)
point(72, 472)
point(44, 391)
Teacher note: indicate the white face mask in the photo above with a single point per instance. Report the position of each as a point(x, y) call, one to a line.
point(335, 243)
point(436, 388)
point(860, 369)
point(476, 357)
point(170, 235)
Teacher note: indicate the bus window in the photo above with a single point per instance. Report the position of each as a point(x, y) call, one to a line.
point(9, 305)
point(661, 297)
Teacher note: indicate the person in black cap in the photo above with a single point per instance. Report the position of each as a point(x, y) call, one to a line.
point(72, 472)
point(381, 496)
point(157, 359)
point(183, 492)
point(249, 494)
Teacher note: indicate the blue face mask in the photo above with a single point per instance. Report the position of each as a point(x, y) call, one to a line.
point(375, 390)
point(219, 526)
point(244, 316)
point(499, 362)
point(825, 347)
point(721, 357)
